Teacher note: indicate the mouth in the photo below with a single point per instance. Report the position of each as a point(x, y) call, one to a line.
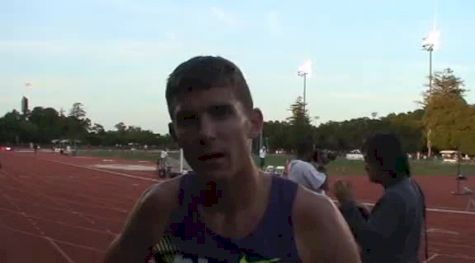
point(211, 156)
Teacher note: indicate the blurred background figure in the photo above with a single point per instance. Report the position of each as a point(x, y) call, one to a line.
point(304, 172)
point(262, 156)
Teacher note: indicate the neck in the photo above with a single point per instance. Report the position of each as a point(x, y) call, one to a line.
point(303, 158)
point(390, 181)
point(231, 194)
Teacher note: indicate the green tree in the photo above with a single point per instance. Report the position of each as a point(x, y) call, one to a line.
point(278, 135)
point(77, 125)
point(77, 111)
point(467, 132)
point(96, 135)
point(120, 127)
point(446, 111)
point(48, 123)
point(10, 127)
point(97, 129)
point(350, 134)
point(299, 122)
point(410, 129)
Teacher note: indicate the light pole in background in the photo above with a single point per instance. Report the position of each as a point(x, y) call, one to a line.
point(304, 70)
point(304, 76)
point(430, 43)
point(25, 109)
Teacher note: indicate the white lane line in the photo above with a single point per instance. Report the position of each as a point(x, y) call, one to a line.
point(431, 258)
point(65, 255)
point(436, 210)
point(442, 231)
point(458, 256)
point(42, 233)
point(55, 240)
point(104, 171)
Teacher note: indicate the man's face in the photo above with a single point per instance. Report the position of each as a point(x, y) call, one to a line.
point(373, 171)
point(214, 130)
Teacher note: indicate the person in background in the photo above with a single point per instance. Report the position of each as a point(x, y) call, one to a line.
point(262, 156)
point(395, 228)
point(163, 158)
point(303, 171)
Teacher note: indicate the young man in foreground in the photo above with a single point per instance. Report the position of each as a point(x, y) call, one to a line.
point(226, 210)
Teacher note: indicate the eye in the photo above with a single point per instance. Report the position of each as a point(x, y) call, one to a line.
point(221, 111)
point(186, 119)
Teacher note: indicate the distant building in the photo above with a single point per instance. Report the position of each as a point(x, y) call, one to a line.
point(24, 105)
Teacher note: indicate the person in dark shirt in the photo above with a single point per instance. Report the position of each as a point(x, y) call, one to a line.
point(395, 228)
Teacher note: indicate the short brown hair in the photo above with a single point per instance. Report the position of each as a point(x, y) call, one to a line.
point(204, 72)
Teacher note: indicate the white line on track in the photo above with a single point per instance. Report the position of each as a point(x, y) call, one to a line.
point(104, 171)
point(437, 210)
point(58, 222)
point(431, 258)
point(458, 256)
point(442, 231)
point(35, 225)
point(52, 239)
point(65, 255)
point(69, 209)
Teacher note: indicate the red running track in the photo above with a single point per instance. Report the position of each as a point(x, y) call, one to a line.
point(56, 208)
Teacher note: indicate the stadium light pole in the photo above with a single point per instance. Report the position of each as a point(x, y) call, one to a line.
point(25, 100)
point(304, 70)
point(428, 46)
point(430, 43)
point(304, 76)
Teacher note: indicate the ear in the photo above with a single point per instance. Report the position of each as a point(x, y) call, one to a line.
point(257, 123)
point(171, 130)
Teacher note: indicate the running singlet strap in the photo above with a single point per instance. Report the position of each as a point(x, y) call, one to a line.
point(187, 239)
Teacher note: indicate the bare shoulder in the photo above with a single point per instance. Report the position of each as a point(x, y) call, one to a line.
point(312, 204)
point(311, 209)
point(161, 195)
point(321, 232)
point(146, 222)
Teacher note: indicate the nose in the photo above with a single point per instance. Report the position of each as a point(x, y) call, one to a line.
point(207, 130)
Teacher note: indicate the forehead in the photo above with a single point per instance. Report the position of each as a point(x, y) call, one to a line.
point(202, 99)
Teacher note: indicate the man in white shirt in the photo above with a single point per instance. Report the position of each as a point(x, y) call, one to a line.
point(163, 158)
point(303, 172)
point(262, 156)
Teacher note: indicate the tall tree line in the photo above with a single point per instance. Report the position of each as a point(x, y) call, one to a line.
point(444, 111)
point(43, 125)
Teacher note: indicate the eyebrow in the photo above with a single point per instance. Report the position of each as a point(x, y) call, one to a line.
point(183, 112)
point(223, 105)
point(218, 105)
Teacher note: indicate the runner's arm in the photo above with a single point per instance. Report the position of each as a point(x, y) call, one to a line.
point(144, 226)
point(322, 234)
